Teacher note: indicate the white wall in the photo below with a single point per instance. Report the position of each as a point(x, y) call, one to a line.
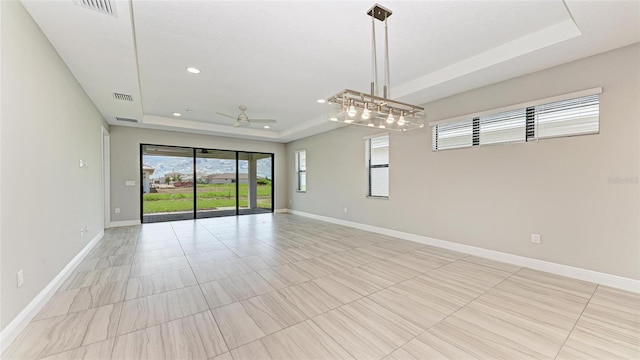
point(580, 193)
point(125, 163)
point(48, 125)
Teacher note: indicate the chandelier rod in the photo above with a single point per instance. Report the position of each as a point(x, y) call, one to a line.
point(387, 89)
point(374, 61)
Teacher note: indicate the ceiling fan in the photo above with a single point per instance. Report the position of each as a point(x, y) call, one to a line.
point(243, 120)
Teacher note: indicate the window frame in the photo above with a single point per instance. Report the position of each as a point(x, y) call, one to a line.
point(377, 166)
point(530, 124)
point(299, 171)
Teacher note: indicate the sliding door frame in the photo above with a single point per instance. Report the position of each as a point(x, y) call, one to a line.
point(195, 189)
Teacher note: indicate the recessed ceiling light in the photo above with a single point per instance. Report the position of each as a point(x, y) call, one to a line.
point(267, 126)
point(177, 114)
point(321, 101)
point(193, 70)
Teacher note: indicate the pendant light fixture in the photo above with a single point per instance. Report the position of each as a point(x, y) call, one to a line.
point(347, 104)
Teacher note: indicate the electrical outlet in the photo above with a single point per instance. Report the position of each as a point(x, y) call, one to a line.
point(81, 232)
point(535, 238)
point(346, 210)
point(20, 278)
point(117, 210)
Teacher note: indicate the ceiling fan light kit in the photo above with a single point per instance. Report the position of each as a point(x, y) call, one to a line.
point(359, 108)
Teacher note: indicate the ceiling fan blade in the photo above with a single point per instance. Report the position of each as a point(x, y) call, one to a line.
point(263, 121)
point(229, 116)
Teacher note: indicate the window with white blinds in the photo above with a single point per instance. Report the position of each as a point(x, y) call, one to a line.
point(567, 117)
point(377, 157)
point(504, 127)
point(301, 170)
point(453, 135)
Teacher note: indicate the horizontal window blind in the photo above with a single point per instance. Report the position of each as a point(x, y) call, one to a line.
point(301, 170)
point(569, 117)
point(378, 166)
point(453, 135)
point(303, 181)
point(302, 160)
point(577, 116)
point(504, 127)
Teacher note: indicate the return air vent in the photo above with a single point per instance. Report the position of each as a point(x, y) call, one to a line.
point(126, 119)
point(123, 97)
point(101, 6)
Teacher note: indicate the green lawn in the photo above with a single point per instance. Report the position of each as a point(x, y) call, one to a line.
point(210, 196)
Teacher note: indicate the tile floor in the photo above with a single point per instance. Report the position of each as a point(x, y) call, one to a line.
point(288, 287)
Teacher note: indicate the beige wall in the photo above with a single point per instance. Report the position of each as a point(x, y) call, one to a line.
point(48, 125)
point(580, 193)
point(125, 163)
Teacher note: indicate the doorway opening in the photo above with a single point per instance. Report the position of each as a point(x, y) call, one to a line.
point(181, 183)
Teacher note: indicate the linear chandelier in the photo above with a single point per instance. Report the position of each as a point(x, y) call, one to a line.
point(359, 108)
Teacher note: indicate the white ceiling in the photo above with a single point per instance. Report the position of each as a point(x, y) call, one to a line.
point(278, 58)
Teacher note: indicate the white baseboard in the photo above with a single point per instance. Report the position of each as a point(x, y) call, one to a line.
point(31, 310)
point(281, 211)
point(615, 281)
point(124, 223)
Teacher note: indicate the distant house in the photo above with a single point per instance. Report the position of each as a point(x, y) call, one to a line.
point(147, 171)
point(225, 178)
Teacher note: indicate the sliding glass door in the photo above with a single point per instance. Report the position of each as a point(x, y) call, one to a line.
point(167, 183)
point(216, 183)
point(180, 183)
point(255, 174)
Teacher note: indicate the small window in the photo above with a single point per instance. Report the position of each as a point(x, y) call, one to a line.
point(569, 117)
point(301, 170)
point(503, 127)
point(377, 156)
point(453, 135)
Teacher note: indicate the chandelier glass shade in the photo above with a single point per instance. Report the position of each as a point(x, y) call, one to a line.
point(359, 108)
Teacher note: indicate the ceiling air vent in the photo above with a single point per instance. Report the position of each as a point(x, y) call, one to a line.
point(126, 119)
point(101, 6)
point(123, 97)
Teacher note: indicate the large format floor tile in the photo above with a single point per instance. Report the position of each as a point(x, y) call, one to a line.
point(155, 309)
point(83, 298)
point(220, 269)
point(62, 333)
point(420, 311)
point(303, 341)
point(146, 268)
point(272, 312)
point(192, 337)
point(283, 276)
point(237, 326)
point(609, 327)
point(232, 289)
point(367, 330)
point(157, 283)
point(95, 277)
point(310, 298)
point(96, 351)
